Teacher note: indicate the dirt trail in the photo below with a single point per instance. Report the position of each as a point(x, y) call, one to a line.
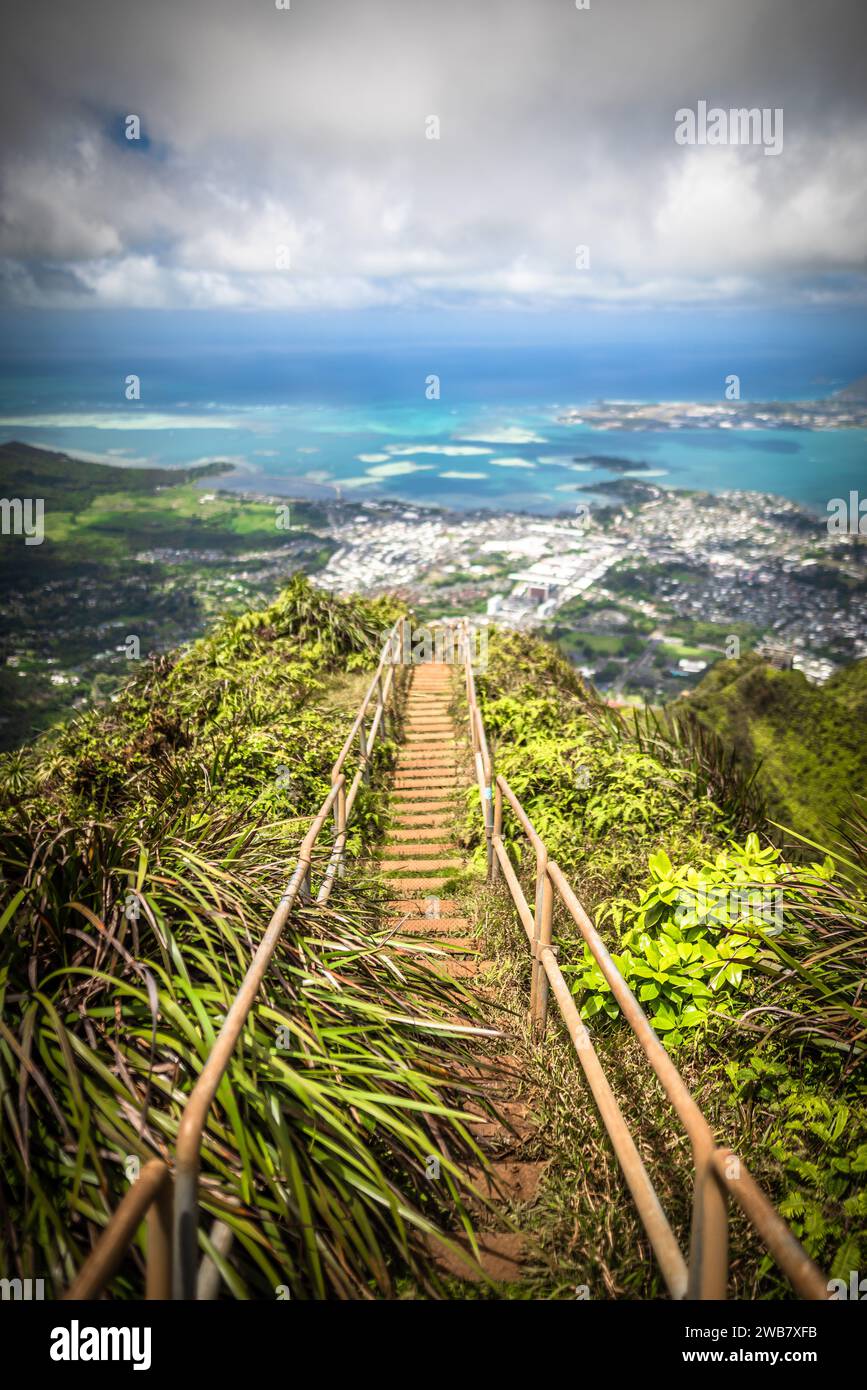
point(419, 854)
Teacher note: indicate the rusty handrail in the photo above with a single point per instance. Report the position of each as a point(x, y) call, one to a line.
point(151, 1196)
point(719, 1173)
point(172, 1207)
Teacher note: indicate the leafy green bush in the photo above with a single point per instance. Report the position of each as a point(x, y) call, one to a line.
point(691, 944)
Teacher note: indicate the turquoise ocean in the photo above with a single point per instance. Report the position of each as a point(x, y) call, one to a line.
point(299, 423)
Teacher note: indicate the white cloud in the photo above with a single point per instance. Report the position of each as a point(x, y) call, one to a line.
point(305, 129)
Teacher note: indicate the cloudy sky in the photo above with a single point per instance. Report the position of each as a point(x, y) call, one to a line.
point(306, 129)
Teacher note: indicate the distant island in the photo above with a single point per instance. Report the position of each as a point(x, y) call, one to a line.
point(847, 409)
point(612, 463)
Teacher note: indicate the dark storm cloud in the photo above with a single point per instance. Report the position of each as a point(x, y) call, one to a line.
point(305, 130)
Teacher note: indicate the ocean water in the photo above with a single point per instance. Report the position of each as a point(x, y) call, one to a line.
point(300, 421)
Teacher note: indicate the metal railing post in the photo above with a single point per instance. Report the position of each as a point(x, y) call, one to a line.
point(362, 753)
point(152, 1186)
point(158, 1277)
point(498, 829)
point(381, 705)
point(489, 822)
point(340, 828)
point(542, 924)
point(709, 1242)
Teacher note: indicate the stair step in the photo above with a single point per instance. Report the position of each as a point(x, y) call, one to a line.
point(515, 1124)
point(432, 762)
point(416, 885)
point(424, 847)
point(396, 866)
point(441, 951)
point(509, 1177)
point(438, 752)
point(442, 752)
point(436, 812)
point(415, 734)
point(434, 827)
point(499, 1257)
point(431, 926)
point(458, 945)
point(431, 833)
point(446, 775)
point(425, 779)
point(417, 794)
point(417, 754)
point(455, 968)
point(425, 743)
point(446, 907)
point(443, 734)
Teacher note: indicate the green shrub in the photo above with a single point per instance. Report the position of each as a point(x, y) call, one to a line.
point(692, 943)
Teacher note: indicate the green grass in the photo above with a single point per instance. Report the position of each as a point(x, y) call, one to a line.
point(143, 850)
point(674, 652)
point(596, 643)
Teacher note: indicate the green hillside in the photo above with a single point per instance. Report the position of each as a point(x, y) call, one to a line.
point(142, 851)
point(145, 552)
point(809, 740)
